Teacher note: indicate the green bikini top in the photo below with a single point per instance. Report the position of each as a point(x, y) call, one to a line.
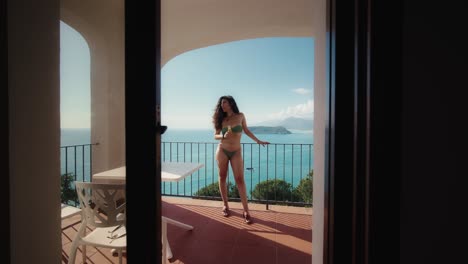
point(235, 129)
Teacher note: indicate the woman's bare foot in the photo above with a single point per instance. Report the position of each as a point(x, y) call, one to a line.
point(247, 218)
point(226, 211)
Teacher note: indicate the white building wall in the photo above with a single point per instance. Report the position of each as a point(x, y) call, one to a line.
point(101, 23)
point(320, 126)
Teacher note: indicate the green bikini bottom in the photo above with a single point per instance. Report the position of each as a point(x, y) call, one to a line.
point(229, 154)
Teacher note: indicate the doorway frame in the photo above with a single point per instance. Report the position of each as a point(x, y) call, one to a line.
point(362, 168)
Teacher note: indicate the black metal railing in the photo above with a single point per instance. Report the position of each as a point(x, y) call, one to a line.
point(77, 160)
point(276, 173)
point(75, 165)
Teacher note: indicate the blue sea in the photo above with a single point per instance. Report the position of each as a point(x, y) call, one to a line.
point(75, 136)
point(288, 157)
point(297, 136)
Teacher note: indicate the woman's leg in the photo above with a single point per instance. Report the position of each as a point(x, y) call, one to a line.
point(238, 170)
point(222, 161)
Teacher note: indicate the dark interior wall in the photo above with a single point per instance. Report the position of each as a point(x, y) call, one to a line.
point(4, 133)
point(33, 43)
point(434, 193)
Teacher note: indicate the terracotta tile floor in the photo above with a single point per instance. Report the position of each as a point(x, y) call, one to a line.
point(282, 234)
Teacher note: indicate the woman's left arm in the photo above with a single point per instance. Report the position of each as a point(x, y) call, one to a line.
point(250, 134)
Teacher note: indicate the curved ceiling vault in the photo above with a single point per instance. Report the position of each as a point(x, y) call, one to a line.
point(189, 24)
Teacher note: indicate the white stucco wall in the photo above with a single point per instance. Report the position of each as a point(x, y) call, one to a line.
point(101, 23)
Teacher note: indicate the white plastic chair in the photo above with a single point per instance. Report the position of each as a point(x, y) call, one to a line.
point(103, 210)
point(68, 211)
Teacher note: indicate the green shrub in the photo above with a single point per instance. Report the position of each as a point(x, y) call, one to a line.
point(233, 191)
point(278, 190)
point(67, 191)
point(213, 190)
point(305, 187)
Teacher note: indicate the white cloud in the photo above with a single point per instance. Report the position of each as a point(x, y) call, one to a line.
point(302, 91)
point(305, 110)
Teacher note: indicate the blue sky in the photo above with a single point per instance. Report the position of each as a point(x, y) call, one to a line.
point(75, 92)
point(270, 78)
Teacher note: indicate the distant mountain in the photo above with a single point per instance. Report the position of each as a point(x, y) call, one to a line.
point(295, 123)
point(269, 130)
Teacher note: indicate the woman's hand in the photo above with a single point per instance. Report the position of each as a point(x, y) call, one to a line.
point(263, 143)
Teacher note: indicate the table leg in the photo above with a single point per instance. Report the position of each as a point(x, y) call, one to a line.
point(177, 223)
point(166, 246)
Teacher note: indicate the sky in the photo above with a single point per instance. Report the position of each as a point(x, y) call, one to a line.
point(270, 79)
point(75, 94)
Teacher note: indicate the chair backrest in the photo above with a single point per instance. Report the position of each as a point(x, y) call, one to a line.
point(101, 204)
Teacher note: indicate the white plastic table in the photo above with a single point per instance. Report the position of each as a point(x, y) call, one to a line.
point(170, 172)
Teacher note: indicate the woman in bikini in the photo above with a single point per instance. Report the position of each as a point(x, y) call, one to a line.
point(229, 124)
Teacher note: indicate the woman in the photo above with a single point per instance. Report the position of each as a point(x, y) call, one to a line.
point(229, 124)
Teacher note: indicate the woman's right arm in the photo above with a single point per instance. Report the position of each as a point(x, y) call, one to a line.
point(218, 135)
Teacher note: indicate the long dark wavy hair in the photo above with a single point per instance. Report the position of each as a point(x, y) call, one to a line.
point(219, 115)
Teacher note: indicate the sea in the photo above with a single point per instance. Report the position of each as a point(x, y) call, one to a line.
point(288, 157)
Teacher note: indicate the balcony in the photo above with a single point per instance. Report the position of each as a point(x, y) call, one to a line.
point(280, 233)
